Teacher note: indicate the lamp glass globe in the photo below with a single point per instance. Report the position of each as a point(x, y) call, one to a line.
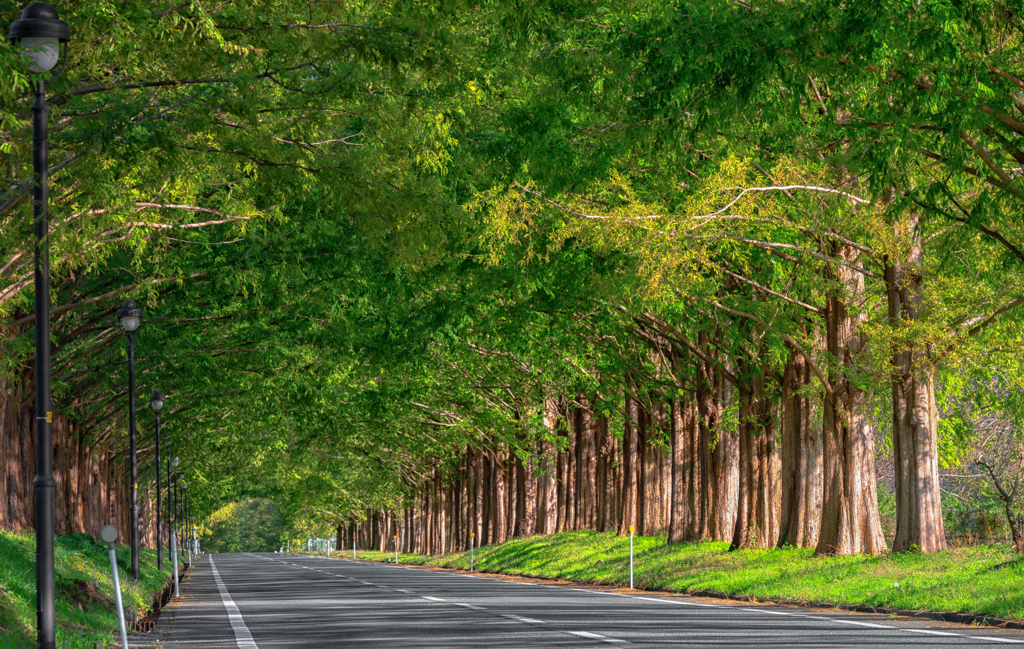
point(43, 52)
point(130, 322)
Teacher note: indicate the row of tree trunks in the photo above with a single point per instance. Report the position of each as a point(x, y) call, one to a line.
point(91, 485)
point(794, 466)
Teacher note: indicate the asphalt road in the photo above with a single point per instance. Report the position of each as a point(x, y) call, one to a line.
point(243, 601)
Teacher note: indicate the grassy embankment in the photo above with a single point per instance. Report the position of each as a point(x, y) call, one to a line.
point(985, 580)
point(86, 614)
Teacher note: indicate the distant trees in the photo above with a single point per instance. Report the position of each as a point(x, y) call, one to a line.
point(247, 525)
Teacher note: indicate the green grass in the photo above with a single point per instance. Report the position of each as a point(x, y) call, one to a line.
point(985, 580)
point(85, 612)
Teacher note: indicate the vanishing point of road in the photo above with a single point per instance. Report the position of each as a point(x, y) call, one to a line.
point(245, 601)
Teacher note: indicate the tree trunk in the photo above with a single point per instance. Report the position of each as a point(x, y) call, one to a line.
point(801, 459)
point(721, 450)
point(849, 512)
point(603, 452)
point(520, 528)
point(546, 482)
point(919, 523)
point(487, 502)
point(628, 513)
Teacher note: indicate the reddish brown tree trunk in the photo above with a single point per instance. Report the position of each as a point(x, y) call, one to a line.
point(801, 459)
point(628, 512)
point(919, 523)
point(849, 512)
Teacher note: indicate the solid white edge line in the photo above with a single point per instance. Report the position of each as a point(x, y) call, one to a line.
point(242, 635)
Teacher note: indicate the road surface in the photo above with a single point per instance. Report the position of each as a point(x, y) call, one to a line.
point(244, 601)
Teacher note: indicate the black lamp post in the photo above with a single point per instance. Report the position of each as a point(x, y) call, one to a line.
point(173, 494)
point(182, 534)
point(39, 34)
point(156, 402)
point(130, 315)
point(184, 518)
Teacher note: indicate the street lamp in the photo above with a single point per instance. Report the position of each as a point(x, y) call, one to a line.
point(130, 315)
point(39, 34)
point(156, 402)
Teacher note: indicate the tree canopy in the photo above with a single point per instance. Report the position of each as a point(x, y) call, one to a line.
point(371, 238)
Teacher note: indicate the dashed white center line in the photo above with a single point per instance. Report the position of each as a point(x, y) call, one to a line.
point(433, 599)
point(594, 636)
point(528, 620)
point(471, 606)
point(402, 590)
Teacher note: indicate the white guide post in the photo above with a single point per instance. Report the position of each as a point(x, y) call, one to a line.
point(631, 557)
point(109, 534)
point(174, 557)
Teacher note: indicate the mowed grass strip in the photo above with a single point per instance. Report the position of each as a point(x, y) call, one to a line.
point(85, 593)
point(984, 580)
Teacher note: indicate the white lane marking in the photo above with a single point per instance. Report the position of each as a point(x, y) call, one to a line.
point(433, 599)
point(873, 626)
point(594, 636)
point(929, 632)
point(528, 620)
point(242, 635)
point(816, 618)
point(475, 608)
point(696, 604)
point(802, 615)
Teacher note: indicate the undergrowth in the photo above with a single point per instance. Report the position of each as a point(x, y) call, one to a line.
point(86, 616)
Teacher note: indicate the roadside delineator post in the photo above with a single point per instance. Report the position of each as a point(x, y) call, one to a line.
point(395, 537)
point(353, 546)
point(472, 535)
point(631, 557)
point(109, 535)
point(174, 559)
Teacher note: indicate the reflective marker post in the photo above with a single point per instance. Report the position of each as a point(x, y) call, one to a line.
point(472, 535)
point(109, 535)
point(174, 559)
point(353, 546)
point(631, 557)
point(395, 537)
